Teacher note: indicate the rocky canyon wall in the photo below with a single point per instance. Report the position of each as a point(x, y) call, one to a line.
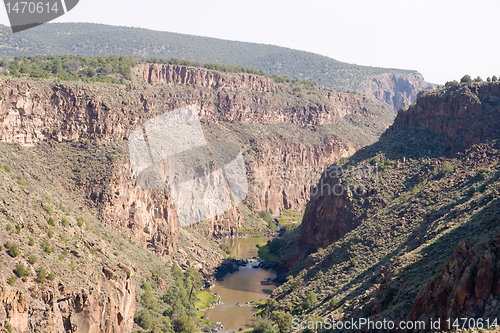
point(106, 307)
point(33, 112)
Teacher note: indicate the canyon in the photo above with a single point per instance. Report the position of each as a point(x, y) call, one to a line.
point(75, 134)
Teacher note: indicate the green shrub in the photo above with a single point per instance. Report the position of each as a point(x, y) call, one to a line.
point(333, 303)
point(80, 221)
point(353, 262)
point(12, 279)
point(466, 79)
point(31, 241)
point(21, 270)
point(42, 274)
point(144, 319)
point(283, 320)
point(375, 160)
point(224, 247)
point(51, 222)
point(264, 325)
point(266, 217)
point(32, 259)
point(45, 245)
point(18, 229)
point(483, 173)
point(319, 275)
point(48, 209)
point(64, 222)
point(446, 169)
point(309, 301)
point(471, 191)
point(51, 276)
point(13, 249)
point(21, 181)
point(391, 293)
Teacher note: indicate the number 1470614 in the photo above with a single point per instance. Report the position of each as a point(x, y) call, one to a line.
point(479, 323)
point(22, 7)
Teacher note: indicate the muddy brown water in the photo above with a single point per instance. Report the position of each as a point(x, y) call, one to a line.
point(240, 287)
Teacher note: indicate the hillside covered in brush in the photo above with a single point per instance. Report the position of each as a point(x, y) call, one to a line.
point(393, 87)
point(417, 237)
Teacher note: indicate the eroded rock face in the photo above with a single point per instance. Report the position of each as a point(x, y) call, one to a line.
point(106, 307)
point(467, 285)
point(465, 114)
point(396, 90)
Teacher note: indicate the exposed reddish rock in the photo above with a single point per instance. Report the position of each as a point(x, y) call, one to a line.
point(465, 286)
point(106, 307)
point(465, 114)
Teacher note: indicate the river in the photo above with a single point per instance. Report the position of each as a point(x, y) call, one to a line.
point(240, 287)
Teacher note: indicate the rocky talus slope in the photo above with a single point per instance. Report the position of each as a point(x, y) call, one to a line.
point(68, 195)
point(418, 237)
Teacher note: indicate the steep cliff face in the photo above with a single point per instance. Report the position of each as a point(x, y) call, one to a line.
point(464, 114)
point(459, 116)
point(395, 90)
point(108, 306)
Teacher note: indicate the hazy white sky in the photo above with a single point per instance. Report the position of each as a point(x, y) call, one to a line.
point(442, 39)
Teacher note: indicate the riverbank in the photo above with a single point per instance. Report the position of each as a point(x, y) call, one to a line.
point(240, 282)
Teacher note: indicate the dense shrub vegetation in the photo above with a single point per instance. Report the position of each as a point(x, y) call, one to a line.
point(175, 310)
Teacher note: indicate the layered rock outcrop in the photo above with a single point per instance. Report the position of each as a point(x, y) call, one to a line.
point(105, 307)
point(467, 285)
point(464, 114)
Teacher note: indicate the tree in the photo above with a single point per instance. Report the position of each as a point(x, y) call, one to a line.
point(466, 79)
point(21, 270)
point(184, 324)
point(42, 274)
point(147, 299)
point(478, 79)
point(494, 78)
point(144, 319)
point(283, 320)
